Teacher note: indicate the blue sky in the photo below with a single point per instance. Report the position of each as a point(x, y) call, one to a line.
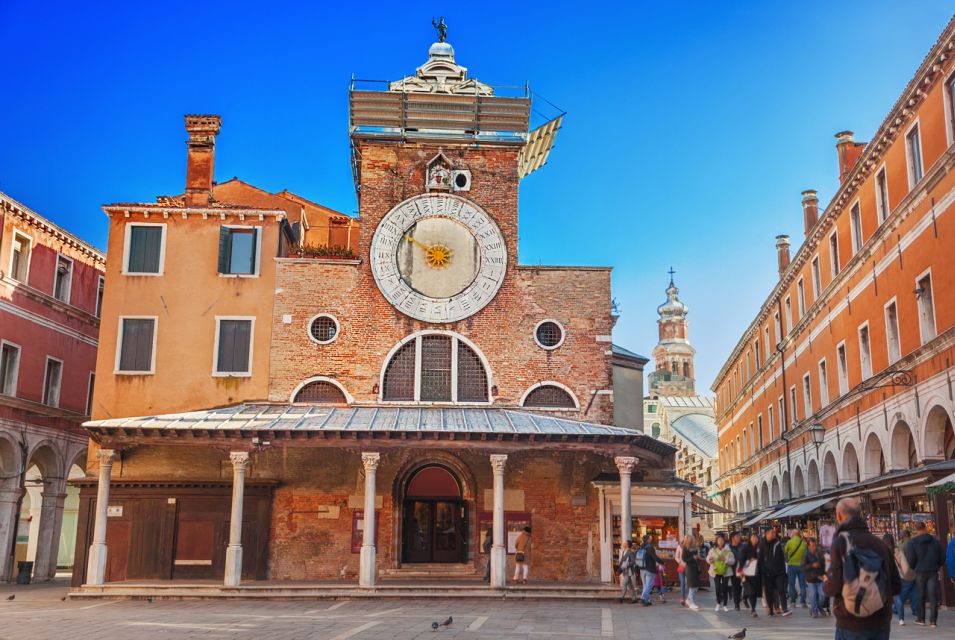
point(692, 127)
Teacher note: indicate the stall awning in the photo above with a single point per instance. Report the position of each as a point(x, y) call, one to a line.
point(943, 481)
point(803, 508)
point(706, 506)
point(758, 518)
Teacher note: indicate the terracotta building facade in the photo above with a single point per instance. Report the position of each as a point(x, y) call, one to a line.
point(842, 384)
point(275, 415)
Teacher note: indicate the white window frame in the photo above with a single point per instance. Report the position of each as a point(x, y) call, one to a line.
point(59, 383)
point(19, 234)
point(842, 368)
point(258, 251)
point(215, 349)
point(90, 388)
point(16, 371)
point(816, 277)
point(834, 266)
point(893, 358)
point(855, 226)
point(759, 426)
point(918, 304)
point(527, 392)
point(788, 306)
point(563, 334)
point(69, 284)
point(98, 303)
point(794, 418)
point(801, 296)
point(777, 327)
point(308, 328)
point(782, 414)
point(759, 362)
point(766, 344)
point(770, 423)
point(807, 394)
point(162, 249)
point(865, 360)
point(822, 367)
point(909, 164)
point(882, 212)
point(119, 346)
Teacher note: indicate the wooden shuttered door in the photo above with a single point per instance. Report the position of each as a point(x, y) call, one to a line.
point(145, 244)
point(137, 346)
point(234, 339)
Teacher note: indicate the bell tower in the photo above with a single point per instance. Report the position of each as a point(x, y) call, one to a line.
point(675, 371)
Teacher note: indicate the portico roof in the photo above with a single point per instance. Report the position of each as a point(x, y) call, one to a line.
point(296, 421)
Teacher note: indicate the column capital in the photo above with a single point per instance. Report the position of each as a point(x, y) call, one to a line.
point(240, 460)
point(498, 460)
point(625, 464)
point(370, 460)
point(105, 456)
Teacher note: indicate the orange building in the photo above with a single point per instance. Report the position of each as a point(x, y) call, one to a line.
point(843, 382)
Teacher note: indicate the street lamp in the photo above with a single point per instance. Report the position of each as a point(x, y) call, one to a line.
point(818, 434)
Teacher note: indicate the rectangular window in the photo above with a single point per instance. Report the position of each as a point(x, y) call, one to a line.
point(855, 224)
point(793, 414)
point(63, 279)
point(771, 424)
point(145, 249)
point(816, 278)
point(759, 429)
point(950, 103)
point(865, 352)
point(20, 257)
point(239, 251)
point(759, 362)
point(926, 303)
point(807, 395)
point(769, 347)
point(746, 443)
point(834, 254)
point(777, 327)
point(842, 366)
point(893, 347)
point(233, 346)
point(782, 415)
point(137, 341)
point(913, 153)
point(9, 368)
point(801, 297)
point(99, 295)
point(52, 378)
point(89, 394)
point(823, 384)
point(882, 195)
point(789, 315)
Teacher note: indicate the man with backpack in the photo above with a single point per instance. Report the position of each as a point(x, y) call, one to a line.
point(772, 562)
point(862, 578)
point(647, 562)
point(926, 556)
point(795, 550)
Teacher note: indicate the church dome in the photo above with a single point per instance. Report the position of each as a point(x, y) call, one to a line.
point(441, 50)
point(672, 307)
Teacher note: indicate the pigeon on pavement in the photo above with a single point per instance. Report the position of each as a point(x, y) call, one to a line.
point(447, 623)
point(434, 625)
point(739, 635)
point(11, 596)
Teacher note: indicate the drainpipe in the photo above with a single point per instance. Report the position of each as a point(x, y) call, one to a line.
point(783, 432)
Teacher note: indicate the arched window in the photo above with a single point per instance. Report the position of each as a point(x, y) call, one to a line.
point(686, 369)
point(449, 370)
point(549, 396)
point(320, 392)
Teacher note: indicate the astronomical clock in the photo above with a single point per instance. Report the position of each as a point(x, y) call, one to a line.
point(438, 257)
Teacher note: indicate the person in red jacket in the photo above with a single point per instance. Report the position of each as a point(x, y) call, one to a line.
point(849, 627)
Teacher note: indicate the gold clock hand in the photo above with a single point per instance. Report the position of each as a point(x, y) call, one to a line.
point(413, 241)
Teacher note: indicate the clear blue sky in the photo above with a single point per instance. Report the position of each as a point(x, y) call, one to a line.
point(692, 127)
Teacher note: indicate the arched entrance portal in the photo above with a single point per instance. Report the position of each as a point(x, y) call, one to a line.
point(435, 517)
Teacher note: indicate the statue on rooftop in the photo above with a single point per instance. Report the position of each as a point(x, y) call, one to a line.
point(441, 28)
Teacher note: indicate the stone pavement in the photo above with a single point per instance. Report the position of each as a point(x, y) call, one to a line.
point(38, 613)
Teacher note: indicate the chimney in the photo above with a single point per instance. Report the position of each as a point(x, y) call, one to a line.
point(782, 253)
point(849, 152)
point(810, 209)
point(200, 158)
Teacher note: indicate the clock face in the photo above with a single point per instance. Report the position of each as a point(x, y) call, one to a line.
point(438, 257)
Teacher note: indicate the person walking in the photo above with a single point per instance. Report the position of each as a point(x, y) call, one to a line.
point(925, 555)
point(772, 562)
point(795, 550)
point(647, 562)
point(950, 560)
point(690, 555)
point(852, 530)
point(721, 561)
point(814, 568)
point(750, 574)
point(626, 563)
point(681, 573)
point(906, 574)
point(486, 548)
point(522, 548)
point(736, 583)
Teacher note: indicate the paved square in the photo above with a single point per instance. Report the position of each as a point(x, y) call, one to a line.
point(38, 613)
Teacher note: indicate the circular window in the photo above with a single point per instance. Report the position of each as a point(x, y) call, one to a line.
point(323, 329)
point(549, 334)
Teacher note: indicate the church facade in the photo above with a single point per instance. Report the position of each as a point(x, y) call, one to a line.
point(272, 415)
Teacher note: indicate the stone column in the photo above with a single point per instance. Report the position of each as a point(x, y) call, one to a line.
point(96, 563)
point(367, 571)
point(51, 524)
point(9, 514)
point(233, 553)
point(625, 465)
point(498, 549)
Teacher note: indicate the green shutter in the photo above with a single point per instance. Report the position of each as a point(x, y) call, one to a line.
point(225, 249)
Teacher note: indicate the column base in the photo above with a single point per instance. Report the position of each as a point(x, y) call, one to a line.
point(96, 564)
point(367, 572)
point(498, 567)
point(233, 565)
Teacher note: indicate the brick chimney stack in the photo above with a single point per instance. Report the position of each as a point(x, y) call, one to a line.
point(782, 253)
point(849, 152)
point(810, 209)
point(200, 158)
